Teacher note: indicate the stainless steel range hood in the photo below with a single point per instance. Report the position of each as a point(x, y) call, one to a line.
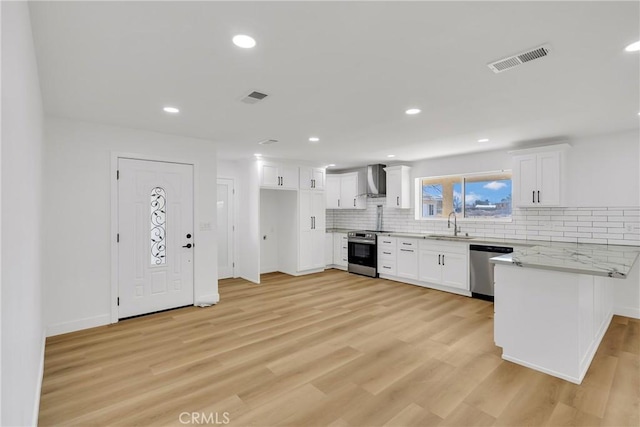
point(376, 181)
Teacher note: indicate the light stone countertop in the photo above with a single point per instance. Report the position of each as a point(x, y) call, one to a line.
point(599, 260)
point(596, 260)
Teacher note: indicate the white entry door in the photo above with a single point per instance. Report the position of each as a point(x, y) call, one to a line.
point(155, 231)
point(225, 228)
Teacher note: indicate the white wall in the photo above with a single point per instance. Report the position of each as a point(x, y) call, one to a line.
point(601, 171)
point(249, 221)
point(22, 152)
point(78, 237)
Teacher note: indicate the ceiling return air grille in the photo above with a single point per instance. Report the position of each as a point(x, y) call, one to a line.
point(254, 97)
point(513, 61)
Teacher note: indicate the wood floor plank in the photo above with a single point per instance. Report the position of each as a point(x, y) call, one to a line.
point(327, 349)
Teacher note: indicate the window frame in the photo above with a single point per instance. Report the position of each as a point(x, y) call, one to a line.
point(462, 179)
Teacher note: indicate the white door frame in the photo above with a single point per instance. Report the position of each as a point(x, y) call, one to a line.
point(234, 222)
point(114, 215)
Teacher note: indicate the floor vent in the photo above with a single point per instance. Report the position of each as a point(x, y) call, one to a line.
point(513, 61)
point(254, 97)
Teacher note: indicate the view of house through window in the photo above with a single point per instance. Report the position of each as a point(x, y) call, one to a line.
point(469, 196)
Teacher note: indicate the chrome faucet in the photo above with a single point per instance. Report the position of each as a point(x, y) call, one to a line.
point(455, 223)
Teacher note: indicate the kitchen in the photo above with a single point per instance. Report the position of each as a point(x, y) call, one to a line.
point(426, 213)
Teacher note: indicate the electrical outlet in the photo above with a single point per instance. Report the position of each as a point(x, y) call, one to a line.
point(631, 227)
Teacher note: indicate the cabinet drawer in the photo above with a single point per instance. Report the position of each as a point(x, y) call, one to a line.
point(407, 244)
point(442, 246)
point(386, 267)
point(386, 253)
point(387, 242)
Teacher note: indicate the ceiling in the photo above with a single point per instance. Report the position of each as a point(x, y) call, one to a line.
point(344, 72)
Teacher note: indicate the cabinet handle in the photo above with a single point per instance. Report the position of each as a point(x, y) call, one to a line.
point(384, 266)
point(533, 196)
point(408, 244)
point(538, 196)
point(386, 241)
point(338, 202)
point(354, 203)
point(406, 250)
point(397, 200)
point(311, 218)
point(313, 183)
point(442, 259)
point(387, 253)
point(439, 259)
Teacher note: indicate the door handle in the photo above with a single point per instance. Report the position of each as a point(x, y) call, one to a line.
point(538, 196)
point(188, 246)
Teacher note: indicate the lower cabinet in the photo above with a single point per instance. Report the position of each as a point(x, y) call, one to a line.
point(407, 261)
point(328, 249)
point(340, 250)
point(425, 262)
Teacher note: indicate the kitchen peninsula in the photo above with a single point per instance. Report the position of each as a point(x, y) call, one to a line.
point(553, 304)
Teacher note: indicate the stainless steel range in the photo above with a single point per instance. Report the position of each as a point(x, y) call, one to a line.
point(363, 253)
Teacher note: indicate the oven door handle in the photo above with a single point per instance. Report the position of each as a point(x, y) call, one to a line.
point(365, 242)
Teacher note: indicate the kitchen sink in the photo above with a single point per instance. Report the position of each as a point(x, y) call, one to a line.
point(448, 237)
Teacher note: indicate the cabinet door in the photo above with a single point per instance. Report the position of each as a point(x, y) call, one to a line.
point(289, 177)
point(306, 175)
point(407, 263)
point(455, 270)
point(317, 175)
point(305, 254)
point(394, 183)
point(318, 210)
point(525, 181)
point(269, 176)
point(549, 179)
point(430, 267)
point(305, 214)
point(349, 191)
point(332, 192)
point(340, 249)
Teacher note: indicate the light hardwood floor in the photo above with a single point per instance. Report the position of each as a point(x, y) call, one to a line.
point(328, 349)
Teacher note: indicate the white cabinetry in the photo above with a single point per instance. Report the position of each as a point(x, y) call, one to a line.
point(312, 230)
point(387, 255)
point(311, 178)
point(398, 187)
point(273, 175)
point(444, 263)
point(345, 191)
point(537, 176)
point(340, 250)
point(407, 259)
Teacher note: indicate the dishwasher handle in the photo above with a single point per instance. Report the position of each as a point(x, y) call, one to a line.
point(494, 249)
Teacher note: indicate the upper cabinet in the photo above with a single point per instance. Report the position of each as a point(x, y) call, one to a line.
point(273, 175)
point(312, 178)
point(398, 187)
point(345, 191)
point(538, 176)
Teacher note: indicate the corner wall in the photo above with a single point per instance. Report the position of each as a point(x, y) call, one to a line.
point(22, 188)
point(78, 235)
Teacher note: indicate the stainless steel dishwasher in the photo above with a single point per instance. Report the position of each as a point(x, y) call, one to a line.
point(481, 270)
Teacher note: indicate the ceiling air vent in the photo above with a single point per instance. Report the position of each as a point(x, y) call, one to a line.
point(510, 62)
point(254, 97)
point(268, 142)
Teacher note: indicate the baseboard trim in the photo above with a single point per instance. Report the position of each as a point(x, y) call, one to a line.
point(542, 369)
point(632, 312)
point(78, 325)
point(36, 405)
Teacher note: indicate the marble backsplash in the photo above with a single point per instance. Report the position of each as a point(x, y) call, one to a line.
point(612, 225)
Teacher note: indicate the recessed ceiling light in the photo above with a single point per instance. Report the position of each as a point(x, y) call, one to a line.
point(258, 155)
point(391, 155)
point(483, 140)
point(633, 47)
point(314, 139)
point(244, 41)
point(331, 165)
point(412, 111)
point(172, 110)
